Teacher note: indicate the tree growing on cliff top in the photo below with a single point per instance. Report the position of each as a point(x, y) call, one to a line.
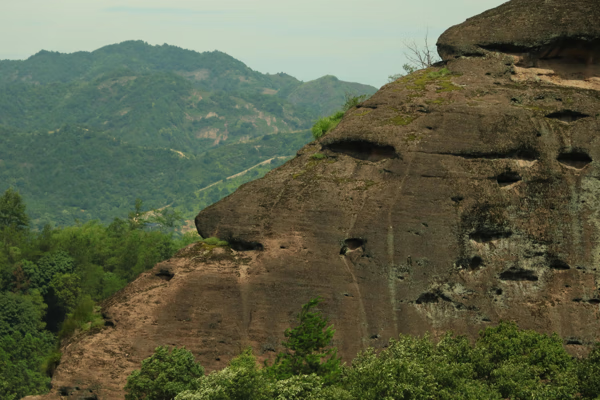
point(308, 350)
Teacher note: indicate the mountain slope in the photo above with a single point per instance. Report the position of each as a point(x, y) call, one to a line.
point(122, 114)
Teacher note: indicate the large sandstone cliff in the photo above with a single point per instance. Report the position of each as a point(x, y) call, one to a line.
point(454, 198)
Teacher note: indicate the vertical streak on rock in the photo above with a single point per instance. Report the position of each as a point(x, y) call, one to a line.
point(364, 323)
point(590, 194)
point(246, 316)
point(391, 245)
point(391, 273)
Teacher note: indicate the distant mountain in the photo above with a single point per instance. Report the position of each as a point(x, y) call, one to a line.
point(83, 134)
point(323, 96)
point(161, 95)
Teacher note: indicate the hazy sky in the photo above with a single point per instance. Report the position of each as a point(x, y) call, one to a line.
point(360, 41)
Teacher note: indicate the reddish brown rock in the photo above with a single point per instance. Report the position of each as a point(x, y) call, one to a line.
point(452, 199)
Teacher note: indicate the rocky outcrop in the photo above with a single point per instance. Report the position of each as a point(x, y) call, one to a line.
point(543, 26)
point(454, 198)
point(551, 40)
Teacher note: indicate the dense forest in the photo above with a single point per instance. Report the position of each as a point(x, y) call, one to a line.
point(83, 135)
point(80, 174)
point(52, 279)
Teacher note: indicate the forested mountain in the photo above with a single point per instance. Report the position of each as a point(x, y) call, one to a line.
point(84, 134)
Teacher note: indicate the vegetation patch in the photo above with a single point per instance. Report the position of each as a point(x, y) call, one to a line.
point(362, 113)
point(214, 242)
point(412, 137)
point(400, 120)
point(420, 80)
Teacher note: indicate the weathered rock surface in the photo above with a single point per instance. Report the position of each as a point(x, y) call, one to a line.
point(552, 40)
point(450, 200)
point(526, 25)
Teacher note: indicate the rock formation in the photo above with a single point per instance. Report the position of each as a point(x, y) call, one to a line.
point(455, 197)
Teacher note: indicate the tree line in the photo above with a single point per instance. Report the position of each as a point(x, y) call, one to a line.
point(505, 362)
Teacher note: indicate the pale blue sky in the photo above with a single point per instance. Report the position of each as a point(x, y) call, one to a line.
point(360, 41)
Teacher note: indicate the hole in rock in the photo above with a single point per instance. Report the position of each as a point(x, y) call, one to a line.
point(245, 245)
point(499, 292)
point(475, 262)
point(363, 150)
point(352, 244)
point(574, 341)
point(567, 115)
point(559, 264)
point(427, 298)
point(430, 297)
point(165, 274)
point(576, 159)
point(594, 301)
point(109, 323)
point(518, 274)
point(508, 178)
point(457, 199)
point(470, 263)
point(484, 235)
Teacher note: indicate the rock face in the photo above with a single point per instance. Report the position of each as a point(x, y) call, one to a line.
point(544, 26)
point(552, 40)
point(452, 199)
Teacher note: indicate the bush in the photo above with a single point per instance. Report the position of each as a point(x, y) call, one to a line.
point(326, 124)
point(163, 375)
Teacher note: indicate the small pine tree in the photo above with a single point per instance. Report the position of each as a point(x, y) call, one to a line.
point(308, 350)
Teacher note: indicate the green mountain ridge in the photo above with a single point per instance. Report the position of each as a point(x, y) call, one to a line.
point(84, 134)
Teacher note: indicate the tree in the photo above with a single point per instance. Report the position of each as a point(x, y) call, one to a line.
point(163, 375)
point(136, 217)
point(12, 210)
point(241, 380)
point(420, 56)
point(308, 350)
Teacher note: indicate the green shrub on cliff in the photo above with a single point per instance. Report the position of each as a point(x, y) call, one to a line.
point(326, 124)
point(163, 375)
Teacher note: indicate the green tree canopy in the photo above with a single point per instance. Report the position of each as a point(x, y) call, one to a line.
point(12, 210)
point(307, 345)
point(163, 375)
